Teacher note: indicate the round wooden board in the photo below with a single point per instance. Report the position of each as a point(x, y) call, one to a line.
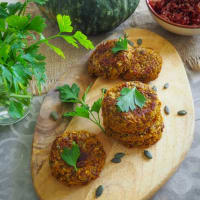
point(135, 177)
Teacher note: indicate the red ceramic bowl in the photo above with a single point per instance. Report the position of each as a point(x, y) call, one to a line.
point(173, 27)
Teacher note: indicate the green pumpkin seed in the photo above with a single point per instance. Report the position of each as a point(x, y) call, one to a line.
point(99, 191)
point(130, 43)
point(103, 90)
point(154, 88)
point(54, 115)
point(116, 160)
point(166, 85)
point(119, 155)
point(166, 109)
point(182, 112)
point(148, 154)
point(139, 42)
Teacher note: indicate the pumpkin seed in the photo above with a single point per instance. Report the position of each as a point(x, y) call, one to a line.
point(182, 112)
point(166, 85)
point(99, 191)
point(139, 42)
point(125, 35)
point(119, 155)
point(116, 160)
point(54, 115)
point(154, 88)
point(103, 90)
point(131, 43)
point(166, 109)
point(148, 154)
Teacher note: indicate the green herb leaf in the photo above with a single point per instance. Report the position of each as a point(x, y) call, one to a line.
point(16, 109)
point(129, 99)
point(18, 22)
point(13, 8)
point(55, 49)
point(6, 73)
point(2, 25)
point(97, 105)
point(37, 24)
point(120, 45)
point(82, 111)
point(70, 156)
point(69, 94)
point(40, 2)
point(139, 98)
point(64, 23)
point(82, 39)
point(85, 93)
point(4, 51)
point(70, 40)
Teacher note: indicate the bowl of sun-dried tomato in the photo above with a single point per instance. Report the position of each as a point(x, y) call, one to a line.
point(177, 16)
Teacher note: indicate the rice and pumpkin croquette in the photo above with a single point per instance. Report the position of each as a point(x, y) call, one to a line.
point(146, 65)
point(134, 64)
point(90, 163)
point(141, 127)
point(104, 63)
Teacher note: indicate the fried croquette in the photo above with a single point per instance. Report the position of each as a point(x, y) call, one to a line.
point(146, 65)
point(89, 164)
point(103, 62)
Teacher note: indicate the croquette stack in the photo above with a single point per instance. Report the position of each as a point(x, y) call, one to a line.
point(141, 127)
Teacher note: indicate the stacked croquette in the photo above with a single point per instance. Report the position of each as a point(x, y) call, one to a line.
point(141, 127)
point(90, 163)
point(134, 64)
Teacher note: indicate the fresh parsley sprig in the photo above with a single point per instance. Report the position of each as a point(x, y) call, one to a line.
point(82, 109)
point(70, 156)
point(129, 99)
point(20, 61)
point(120, 45)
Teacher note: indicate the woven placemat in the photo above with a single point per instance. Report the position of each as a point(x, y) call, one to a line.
point(188, 47)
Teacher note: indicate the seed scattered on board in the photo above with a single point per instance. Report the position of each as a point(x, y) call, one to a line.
point(116, 160)
point(154, 88)
point(117, 157)
point(182, 112)
point(147, 154)
point(131, 43)
point(99, 191)
point(166, 85)
point(139, 42)
point(166, 109)
point(54, 115)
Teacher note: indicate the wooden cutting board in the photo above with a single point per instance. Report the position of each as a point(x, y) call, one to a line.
point(135, 177)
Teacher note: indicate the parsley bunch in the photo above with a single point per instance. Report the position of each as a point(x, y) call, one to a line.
point(71, 94)
point(20, 61)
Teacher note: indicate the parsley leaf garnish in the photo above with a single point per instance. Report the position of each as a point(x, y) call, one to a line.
point(70, 156)
point(129, 99)
point(69, 94)
point(120, 45)
point(82, 109)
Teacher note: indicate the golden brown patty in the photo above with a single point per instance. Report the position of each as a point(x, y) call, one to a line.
point(145, 67)
point(104, 63)
point(89, 164)
point(140, 139)
point(132, 121)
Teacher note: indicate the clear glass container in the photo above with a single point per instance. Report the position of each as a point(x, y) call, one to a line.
point(5, 118)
